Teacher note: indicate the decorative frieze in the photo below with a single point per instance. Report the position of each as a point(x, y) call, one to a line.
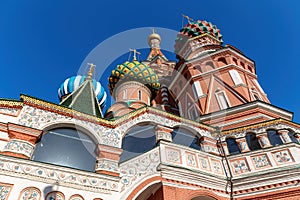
point(19, 147)
point(204, 163)
point(54, 174)
point(260, 161)
point(217, 166)
point(283, 157)
point(5, 190)
point(239, 166)
point(173, 155)
point(10, 111)
point(136, 169)
point(191, 160)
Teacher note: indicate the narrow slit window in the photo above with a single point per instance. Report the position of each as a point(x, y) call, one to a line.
point(197, 89)
point(140, 95)
point(222, 100)
point(236, 77)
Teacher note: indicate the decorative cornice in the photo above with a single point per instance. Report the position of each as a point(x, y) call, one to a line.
point(260, 125)
point(11, 103)
point(49, 173)
point(110, 123)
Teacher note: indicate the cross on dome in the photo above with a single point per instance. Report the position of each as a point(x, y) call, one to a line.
point(134, 53)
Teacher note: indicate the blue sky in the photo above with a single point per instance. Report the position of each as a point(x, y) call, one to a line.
point(44, 42)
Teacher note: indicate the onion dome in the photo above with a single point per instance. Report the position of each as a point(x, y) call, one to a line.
point(73, 83)
point(134, 71)
point(197, 28)
point(152, 37)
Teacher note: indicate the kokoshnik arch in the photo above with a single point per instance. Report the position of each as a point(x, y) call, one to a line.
point(199, 128)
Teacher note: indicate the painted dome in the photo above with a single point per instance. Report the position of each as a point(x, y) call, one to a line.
point(134, 71)
point(73, 83)
point(197, 28)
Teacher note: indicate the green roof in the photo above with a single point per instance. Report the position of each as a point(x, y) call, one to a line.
point(84, 100)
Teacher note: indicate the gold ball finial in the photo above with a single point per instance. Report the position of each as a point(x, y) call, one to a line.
point(153, 36)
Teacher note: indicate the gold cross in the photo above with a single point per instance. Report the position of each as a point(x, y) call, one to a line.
point(91, 70)
point(187, 17)
point(134, 53)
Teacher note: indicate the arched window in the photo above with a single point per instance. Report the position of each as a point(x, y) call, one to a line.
point(197, 67)
point(232, 146)
point(234, 60)
point(140, 94)
point(222, 61)
point(237, 80)
point(256, 97)
point(66, 147)
point(209, 66)
point(242, 64)
point(186, 138)
point(252, 141)
point(138, 140)
point(222, 99)
point(292, 136)
point(125, 94)
point(274, 137)
point(249, 68)
point(185, 76)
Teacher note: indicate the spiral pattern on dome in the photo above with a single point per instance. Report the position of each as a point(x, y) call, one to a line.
point(73, 83)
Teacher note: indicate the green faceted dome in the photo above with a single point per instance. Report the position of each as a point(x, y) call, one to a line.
point(134, 71)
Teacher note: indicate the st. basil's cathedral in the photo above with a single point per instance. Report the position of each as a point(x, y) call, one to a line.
point(199, 128)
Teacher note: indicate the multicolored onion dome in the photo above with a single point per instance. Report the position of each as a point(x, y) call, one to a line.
point(196, 28)
point(134, 71)
point(73, 83)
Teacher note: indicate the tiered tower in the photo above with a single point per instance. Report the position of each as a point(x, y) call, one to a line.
point(214, 78)
point(164, 69)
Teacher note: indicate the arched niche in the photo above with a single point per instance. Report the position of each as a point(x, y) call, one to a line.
point(222, 62)
point(67, 146)
point(153, 191)
point(187, 137)
point(232, 146)
point(139, 139)
point(88, 130)
point(252, 141)
point(274, 137)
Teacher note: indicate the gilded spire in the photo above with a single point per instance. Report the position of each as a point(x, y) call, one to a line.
point(91, 70)
point(134, 53)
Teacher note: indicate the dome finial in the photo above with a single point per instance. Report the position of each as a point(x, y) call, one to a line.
point(91, 70)
point(188, 18)
point(154, 39)
point(134, 53)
